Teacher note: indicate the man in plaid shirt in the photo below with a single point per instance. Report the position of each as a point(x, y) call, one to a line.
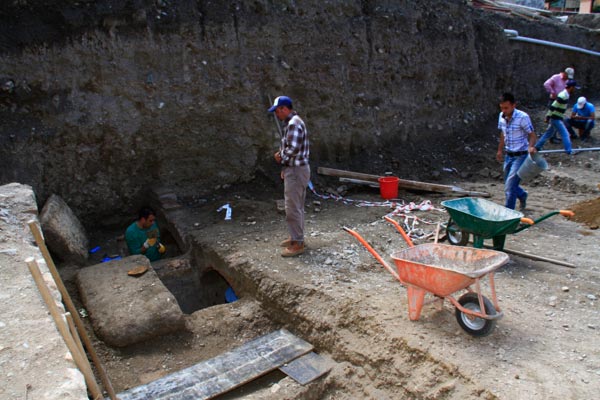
point(293, 156)
point(517, 139)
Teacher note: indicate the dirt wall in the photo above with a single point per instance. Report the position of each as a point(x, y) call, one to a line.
point(126, 95)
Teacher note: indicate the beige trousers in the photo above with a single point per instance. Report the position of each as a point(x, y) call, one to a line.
point(295, 181)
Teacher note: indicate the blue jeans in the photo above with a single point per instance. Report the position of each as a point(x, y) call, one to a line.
point(586, 125)
point(511, 180)
point(556, 125)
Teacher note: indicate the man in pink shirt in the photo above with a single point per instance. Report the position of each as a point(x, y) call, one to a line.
point(556, 83)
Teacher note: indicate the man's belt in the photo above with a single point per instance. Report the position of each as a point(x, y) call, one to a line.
point(516, 153)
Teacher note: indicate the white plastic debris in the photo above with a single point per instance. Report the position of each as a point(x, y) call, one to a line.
point(227, 209)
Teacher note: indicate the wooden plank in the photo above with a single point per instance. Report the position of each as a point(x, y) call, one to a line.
point(402, 183)
point(307, 368)
point(226, 371)
point(360, 182)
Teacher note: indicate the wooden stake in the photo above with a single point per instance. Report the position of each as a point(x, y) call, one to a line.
point(80, 360)
point(37, 234)
point(437, 232)
point(74, 333)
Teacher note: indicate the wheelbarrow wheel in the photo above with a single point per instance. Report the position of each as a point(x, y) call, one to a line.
point(456, 236)
point(475, 326)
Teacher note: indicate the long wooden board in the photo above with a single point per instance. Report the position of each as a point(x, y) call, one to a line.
point(403, 183)
point(226, 371)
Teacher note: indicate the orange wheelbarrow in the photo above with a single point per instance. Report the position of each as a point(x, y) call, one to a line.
point(443, 270)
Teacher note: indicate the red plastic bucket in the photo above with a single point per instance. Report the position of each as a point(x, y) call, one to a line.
point(388, 187)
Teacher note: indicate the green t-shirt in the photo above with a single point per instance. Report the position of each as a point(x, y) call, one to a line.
point(136, 237)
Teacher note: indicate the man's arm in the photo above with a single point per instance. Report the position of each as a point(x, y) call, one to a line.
point(138, 245)
point(499, 154)
point(293, 141)
point(549, 86)
point(133, 244)
point(532, 139)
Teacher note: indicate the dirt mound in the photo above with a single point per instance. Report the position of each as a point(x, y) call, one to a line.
point(588, 212)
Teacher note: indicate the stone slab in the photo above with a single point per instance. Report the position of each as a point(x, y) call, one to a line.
point(126, 309)
point(64, 234)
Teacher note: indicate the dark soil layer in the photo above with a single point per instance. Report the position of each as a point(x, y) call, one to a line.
point(100, 101)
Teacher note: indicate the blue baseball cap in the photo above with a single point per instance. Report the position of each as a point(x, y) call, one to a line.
point(572, 83)
point(281, 101)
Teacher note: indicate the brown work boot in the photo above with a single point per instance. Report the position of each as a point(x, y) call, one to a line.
point(294, 249)
point(286, 243)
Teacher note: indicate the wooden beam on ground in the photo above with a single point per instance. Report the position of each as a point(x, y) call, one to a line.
point(226, 371)
point(402, 183)
point(360, 182)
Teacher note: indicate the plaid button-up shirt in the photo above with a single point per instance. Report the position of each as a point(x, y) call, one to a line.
point(294, 148)
point(516, 131)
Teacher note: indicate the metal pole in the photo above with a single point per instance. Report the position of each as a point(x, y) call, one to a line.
point(574, 150)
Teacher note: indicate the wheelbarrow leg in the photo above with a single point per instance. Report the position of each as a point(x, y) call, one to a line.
point(478, 241)
point(499, 242)
point(416, 296)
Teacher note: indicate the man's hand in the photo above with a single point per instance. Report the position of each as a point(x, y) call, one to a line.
point(499, 156)
point(277, 157)
point(532, 150)
point(149, 243)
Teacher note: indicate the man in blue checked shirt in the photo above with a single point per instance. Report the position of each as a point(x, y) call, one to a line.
point(295, 171)
point(517, 139)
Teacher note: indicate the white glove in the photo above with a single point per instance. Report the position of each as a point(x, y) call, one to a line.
point(149, 242)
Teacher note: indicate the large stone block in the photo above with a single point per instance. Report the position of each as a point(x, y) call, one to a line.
point(64, 234)
point(126, 309)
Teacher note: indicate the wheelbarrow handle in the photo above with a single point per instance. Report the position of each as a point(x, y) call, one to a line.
point(527, 221)
point(566, 213)
point(399, 228)
point(373, 252)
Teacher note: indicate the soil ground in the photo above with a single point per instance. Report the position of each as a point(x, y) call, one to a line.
point(339, 298)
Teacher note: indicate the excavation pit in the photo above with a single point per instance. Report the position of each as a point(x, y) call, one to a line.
point(193, 288)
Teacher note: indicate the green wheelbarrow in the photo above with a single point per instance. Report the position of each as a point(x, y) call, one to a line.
point(486, 220)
